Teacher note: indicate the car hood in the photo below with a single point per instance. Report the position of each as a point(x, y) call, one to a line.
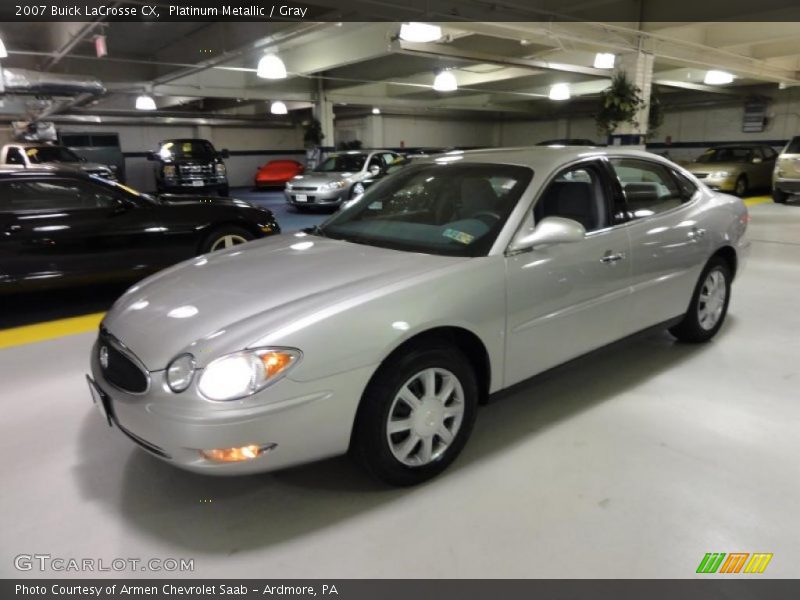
point(181, 199)
point(226, 301)
point(314, 179)
point(696, 167)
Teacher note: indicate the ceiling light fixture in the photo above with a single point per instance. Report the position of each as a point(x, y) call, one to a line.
point(718, 78)
point(560, 91)
point(3, 51)
point(420, 32)
point(145, 102)
point(376, 111)
point(445, 82)
point(604, 60)
point(271, 67)
point(278, 108)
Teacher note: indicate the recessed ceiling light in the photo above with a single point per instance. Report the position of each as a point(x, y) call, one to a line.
point(278, 108)
point(271, 67)
point(420, 32)
point(718, 78)
point(445, 82)
point(604, 60)
point(145, 102)
point(560, 91)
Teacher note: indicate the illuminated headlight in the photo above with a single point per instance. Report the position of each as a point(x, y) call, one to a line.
point(220, 170)
point(288, 185)
point(358, 189)
point(718, 174)
point(170, 171)
point(180, 373)
point(333, 185)
point(244, 373)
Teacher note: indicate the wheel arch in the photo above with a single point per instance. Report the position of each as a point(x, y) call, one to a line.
point(728, 254)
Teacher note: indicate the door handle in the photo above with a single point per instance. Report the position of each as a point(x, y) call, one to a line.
point(610, 258)
point(696, 233)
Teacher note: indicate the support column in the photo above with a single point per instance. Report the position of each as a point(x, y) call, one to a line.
point(638, 66)
point(323, 111)
point(374, 132)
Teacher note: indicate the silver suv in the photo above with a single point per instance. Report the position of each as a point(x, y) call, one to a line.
point(786, 176)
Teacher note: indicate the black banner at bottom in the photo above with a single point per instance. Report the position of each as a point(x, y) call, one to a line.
point(403, 589)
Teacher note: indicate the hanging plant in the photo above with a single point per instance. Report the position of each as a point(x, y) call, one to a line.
point(619, 104)
point(313, 136)
point(655, 117)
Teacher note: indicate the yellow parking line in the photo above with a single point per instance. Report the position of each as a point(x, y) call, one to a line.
point(757, 200)
point(29, 334)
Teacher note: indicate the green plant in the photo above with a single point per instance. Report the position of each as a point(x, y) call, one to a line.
point(655, 117)
point(313, 136)
point(619, 104)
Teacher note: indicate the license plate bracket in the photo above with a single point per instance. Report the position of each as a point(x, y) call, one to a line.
point(301, 198)
point(100, 400)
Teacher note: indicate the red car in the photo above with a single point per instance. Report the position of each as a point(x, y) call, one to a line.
point(277, 172)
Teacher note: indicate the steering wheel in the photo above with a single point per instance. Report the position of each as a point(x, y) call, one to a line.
point(493, 217)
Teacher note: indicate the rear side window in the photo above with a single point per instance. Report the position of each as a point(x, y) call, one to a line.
point(14, 157)
point(649, 187)
point(794, 146)
point(52, 194)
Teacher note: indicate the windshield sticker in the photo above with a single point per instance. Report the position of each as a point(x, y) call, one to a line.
point(459, 236)
point(187, 148)
point(32, 151)
point(377, 205)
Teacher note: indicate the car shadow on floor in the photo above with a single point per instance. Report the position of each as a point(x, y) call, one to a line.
point(223, 516)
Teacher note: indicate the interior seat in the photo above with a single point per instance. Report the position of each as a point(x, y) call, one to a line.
point(571, 200)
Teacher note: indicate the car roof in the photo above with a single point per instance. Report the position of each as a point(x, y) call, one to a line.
point(742, 145)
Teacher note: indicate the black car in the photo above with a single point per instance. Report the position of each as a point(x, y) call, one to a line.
point(190, 166)
point(61, 227)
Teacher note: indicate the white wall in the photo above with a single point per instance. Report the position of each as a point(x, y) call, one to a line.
point(394, 131)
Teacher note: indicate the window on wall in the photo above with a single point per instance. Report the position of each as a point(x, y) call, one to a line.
point(649, 187)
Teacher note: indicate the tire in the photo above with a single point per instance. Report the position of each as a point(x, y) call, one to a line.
point(700, 323)
point(741, 187)
point(380, 452)
point(225, 237)
point(779, 197)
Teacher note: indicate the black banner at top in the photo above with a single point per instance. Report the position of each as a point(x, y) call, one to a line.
point(636, 11)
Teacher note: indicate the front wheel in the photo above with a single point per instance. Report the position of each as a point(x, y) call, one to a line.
point(225, 237)
point(779, 197)
point(709, 304)
point(741, 186)
point(416, 415)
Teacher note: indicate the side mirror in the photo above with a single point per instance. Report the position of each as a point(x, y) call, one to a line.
point(550, 230)
point(375, 170)
point(224, 153)
point(151, 156)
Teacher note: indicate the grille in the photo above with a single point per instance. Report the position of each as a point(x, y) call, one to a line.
point(120, 367)
point(300, 188)
point(196, 171)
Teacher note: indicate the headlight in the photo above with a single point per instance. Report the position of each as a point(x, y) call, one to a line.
point(220, 169)
point(169, 171)
point(333, 185)
point(718, 174)
point(244, 373)
point(288, 185)
point(180, 373)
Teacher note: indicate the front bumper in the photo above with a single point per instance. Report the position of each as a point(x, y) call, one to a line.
point(788, 186)
point(299, 421)
point(314, 197)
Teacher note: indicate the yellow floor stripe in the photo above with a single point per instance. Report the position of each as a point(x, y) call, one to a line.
point(51, 330)
point(757, 200)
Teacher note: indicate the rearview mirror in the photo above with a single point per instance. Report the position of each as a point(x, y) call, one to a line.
point(550, 230)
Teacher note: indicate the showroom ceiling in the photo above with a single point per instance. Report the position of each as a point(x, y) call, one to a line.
point(207, 70)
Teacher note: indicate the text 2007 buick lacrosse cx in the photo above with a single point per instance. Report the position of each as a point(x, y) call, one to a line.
point(380, 331)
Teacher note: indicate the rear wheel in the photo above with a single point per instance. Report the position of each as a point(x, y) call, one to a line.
point(225, 237)
point(709, 304)
point(779, 197)
point(741, 186)
point(416, 415)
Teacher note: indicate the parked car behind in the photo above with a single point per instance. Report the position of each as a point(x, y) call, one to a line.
point(361, 186)
point(190, 166)
point(277, 172)
point(32, 155)
point(381, 330)
point(736, 168)
point(786, 176)
point(332, 181)
point(60, 228)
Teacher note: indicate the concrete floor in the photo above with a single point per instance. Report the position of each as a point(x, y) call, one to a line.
point(633, 462)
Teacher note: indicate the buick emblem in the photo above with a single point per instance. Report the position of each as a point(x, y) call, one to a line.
point(104, 357)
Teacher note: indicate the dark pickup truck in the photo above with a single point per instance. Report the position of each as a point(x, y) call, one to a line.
point(189, 166)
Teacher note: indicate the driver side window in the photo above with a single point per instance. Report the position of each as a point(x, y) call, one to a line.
point(577, 193)
point(14, 157)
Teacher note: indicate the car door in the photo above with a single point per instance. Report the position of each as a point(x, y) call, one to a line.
point(567, 299)
point(668, 238)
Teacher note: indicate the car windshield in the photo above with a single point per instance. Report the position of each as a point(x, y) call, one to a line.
point(342, 163)
point(185, 149)
point(50, 154)
point(447, 209)
point(727, 154)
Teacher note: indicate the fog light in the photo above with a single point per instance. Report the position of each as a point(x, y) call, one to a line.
point(239, 454)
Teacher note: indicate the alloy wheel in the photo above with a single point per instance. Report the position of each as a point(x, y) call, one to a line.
point(227, 241)
point(711, 301)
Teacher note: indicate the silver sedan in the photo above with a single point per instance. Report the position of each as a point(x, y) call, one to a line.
point(382, 330)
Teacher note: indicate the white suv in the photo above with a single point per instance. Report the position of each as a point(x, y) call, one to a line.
point(786, 176)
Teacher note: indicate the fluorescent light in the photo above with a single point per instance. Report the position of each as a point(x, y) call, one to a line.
point(3, 51)
point(271, 67)
point(376, 111)
point(559, 91)
point(145, 102)
point(278, 108)
point(604, 60)
point(445, 82)
point(718, 78)
point(420, 32)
